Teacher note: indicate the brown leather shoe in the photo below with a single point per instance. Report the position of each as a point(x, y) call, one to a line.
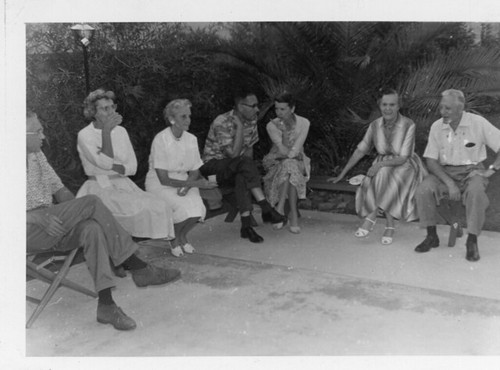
point(428, 243)
point(112, 314)
point(152, 275)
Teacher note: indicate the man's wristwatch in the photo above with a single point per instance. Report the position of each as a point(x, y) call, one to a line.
point(491, 167)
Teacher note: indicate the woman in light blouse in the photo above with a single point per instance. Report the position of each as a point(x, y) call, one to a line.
point(287, 167)
point(108, 159)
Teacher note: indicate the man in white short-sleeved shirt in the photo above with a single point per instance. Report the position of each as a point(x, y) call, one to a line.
point(455, 152)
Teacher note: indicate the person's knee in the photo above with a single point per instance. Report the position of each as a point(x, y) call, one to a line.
point(477, 184)
point(89, 227)
point(247, 163)
point(91, 200)
point(476, 188)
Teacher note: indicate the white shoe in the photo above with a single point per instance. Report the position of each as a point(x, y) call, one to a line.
point(360, 232)
point(188, 248)
point(177, 251)
point(386, 240)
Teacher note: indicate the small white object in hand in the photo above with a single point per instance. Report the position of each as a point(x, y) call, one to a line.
point(356, 180)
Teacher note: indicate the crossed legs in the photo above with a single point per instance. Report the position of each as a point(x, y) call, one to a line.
point(91, 225)
point(242, 174)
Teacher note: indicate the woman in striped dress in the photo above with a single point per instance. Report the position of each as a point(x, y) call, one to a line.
point(392, 180)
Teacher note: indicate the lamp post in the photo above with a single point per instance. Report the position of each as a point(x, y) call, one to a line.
point(83, 34)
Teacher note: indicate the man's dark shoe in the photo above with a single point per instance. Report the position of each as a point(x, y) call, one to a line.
point(250, 234)
point(273, 217)
point(152, 275)
point(428, 243)
point(112, 314)
point(472, 251)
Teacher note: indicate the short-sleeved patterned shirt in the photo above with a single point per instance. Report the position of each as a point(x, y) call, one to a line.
point(221, 136)
point(41, 182)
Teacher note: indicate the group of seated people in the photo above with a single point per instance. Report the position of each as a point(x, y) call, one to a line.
point(110, 208)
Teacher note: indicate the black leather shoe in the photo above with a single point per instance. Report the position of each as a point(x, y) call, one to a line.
point(472, 252)
point(250, 234)
point(428, 243)
point(273, 217)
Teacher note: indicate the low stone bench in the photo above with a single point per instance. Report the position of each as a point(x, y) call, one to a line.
point(320, 183)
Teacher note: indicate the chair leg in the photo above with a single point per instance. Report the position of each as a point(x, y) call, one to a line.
point(32, 300)
point(48, 277)
point(57, 281)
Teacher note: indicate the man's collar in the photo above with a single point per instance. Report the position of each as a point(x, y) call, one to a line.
point(243, 120)
point(463, 122)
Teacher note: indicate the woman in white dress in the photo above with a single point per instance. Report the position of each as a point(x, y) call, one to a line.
point(173, 173)
point(108, 159)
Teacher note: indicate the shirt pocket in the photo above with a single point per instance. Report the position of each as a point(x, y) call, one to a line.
point(471, 152)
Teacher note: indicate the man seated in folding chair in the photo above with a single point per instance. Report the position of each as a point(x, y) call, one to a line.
point(84, 222)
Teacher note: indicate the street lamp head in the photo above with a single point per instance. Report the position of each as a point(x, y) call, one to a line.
point(83, 33)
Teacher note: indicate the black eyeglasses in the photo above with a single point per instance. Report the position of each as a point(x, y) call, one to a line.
point(251, 105)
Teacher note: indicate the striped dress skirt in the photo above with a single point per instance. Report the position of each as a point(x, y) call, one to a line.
point(392, 189)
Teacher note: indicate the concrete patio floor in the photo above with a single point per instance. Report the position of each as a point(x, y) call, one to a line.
point(322, 292)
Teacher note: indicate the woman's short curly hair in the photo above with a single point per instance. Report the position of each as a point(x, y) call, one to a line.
point(89, 109)
point(172, 108)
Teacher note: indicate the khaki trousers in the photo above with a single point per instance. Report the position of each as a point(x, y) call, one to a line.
point(474, 198)
point(92, 226)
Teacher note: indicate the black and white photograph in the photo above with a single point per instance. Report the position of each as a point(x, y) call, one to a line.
point(232, 184)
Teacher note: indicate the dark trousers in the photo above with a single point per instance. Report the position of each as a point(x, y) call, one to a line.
point(239, 173)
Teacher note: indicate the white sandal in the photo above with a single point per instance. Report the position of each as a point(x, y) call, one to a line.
point(177, 251)
point(386, 240)
point(188, 248)
point(361, 233)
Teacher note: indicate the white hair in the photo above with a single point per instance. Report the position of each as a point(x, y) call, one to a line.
point(457, 94)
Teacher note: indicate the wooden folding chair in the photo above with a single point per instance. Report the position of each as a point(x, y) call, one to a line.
point(41, 271)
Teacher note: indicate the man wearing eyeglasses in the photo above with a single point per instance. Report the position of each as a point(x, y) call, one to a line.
point(83, 222)
point(228, 154)
point(455, 152)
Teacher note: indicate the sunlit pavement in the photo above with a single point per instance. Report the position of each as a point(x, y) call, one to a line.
point(321, 292)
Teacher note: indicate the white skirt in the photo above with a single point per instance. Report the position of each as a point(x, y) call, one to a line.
point(188, 206)
point(140, 213)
